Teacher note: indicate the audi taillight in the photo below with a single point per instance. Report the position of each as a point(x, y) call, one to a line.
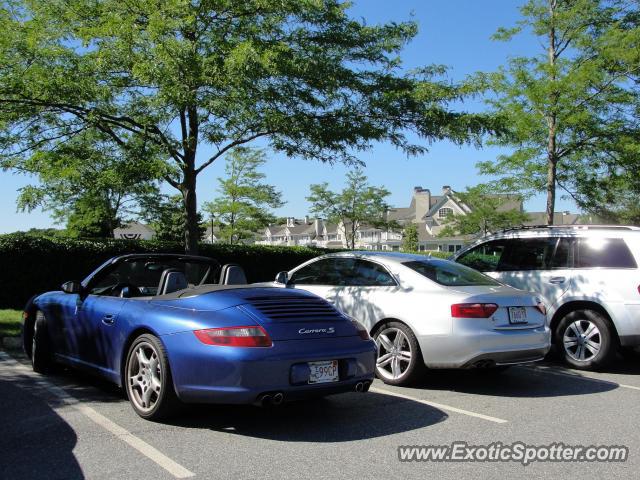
point(473, 310)
point(250, 336)
point(362, 330)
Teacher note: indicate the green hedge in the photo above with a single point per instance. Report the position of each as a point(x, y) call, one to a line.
point(32, 265)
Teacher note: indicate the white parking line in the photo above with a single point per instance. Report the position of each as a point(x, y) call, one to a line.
point(579, 376)
point(174, 468)
point(441, 406)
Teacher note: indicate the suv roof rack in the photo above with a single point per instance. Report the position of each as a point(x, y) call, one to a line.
point(574, 227)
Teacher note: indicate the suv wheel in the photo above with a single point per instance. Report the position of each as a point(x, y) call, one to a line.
point(585, 339)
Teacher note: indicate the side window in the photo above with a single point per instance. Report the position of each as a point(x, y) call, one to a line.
point(528, 254)
point(330, 271)
point(563, 255)
point(484, 257)
point(604, 252)
point(370, 274)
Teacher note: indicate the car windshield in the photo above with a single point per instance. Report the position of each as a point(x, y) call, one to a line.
point(450, 274)
point(144, 275)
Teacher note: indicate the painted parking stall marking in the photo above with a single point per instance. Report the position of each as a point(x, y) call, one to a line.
point(441, 406)
point(174, 468)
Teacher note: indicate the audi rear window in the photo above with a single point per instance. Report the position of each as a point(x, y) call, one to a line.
point(450, 274)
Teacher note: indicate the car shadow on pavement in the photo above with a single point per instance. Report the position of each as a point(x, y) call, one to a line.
point(515, 382)
point(339, 418)
point(36, 443)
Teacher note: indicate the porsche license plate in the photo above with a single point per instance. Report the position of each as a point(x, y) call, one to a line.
point(323, 372)
point(518, 315)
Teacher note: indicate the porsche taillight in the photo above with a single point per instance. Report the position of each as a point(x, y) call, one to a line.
point(247, 336)
point(363, 333)
point(473, 310)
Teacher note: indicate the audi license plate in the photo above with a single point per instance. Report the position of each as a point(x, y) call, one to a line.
point(517, 315)
point(323, 372)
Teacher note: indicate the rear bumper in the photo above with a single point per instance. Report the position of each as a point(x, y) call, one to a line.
point(465, 349)
point(214, 374)
point(506, 358)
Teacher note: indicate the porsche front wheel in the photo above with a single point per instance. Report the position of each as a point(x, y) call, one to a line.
point(148, 379)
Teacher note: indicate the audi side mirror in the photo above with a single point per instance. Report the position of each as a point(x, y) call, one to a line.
point(72, 287)
point(282, 277)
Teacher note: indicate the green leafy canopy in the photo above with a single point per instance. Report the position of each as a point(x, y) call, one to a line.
point(181, 74)
point(357, 205)
point(244, 204)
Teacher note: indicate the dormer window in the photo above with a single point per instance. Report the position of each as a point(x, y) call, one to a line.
point(445, 212)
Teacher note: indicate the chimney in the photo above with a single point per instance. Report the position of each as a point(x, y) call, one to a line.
point(446, 189)
point(291, 222)
point(317, 226)
point(421, 202)
point(306, 219)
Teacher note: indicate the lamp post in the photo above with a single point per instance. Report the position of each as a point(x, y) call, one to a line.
point(212, 218)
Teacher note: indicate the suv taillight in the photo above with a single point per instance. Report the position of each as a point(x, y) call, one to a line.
point(473, 310)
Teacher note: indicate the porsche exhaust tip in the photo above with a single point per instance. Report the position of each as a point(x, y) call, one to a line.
point(278, 398)
point(360, 387)
point(265, 400)
point(366, 386)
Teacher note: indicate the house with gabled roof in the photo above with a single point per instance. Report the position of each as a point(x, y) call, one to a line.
point(428, 212)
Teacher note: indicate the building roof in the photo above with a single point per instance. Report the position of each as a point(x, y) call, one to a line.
point(559, 218)
point(135, 226)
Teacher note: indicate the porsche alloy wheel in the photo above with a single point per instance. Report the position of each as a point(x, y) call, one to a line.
point(399, 360)
point(148, 379)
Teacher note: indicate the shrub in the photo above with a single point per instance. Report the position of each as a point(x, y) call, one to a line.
point(33, 265)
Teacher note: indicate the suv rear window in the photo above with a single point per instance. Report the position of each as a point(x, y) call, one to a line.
point(450, 274)
point(604, 253)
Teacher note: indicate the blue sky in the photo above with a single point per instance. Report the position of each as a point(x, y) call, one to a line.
point(451, 32)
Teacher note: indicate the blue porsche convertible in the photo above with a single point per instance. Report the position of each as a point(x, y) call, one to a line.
point(172, 328)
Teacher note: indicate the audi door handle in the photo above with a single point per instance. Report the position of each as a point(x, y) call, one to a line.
point(557, 280)
point(108, 319)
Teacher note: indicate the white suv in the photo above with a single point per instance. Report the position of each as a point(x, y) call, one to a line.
point(588, 274)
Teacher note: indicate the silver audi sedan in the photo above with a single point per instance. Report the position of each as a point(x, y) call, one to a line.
point(425, 312)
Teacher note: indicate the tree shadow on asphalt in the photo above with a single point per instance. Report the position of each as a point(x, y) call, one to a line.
point(340, 418)
point(36, 443)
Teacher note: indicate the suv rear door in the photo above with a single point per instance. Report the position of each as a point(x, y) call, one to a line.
point(535, 264)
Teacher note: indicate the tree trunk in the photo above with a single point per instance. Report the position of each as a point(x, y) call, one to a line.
point(191, 230)
point(552, 153)
point(551, 187)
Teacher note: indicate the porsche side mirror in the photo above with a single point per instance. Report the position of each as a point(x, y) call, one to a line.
point(72, 287)
point(282, 277)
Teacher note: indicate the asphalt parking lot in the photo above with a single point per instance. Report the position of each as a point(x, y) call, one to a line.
point(71, 426)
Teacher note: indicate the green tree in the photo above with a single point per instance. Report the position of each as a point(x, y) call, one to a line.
point(487, 212)
point(243, 207)
point(357, 204)
point(571, 110)
point(183, 74)
point(165, 214)
point(410, 238)
point(90, 183)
